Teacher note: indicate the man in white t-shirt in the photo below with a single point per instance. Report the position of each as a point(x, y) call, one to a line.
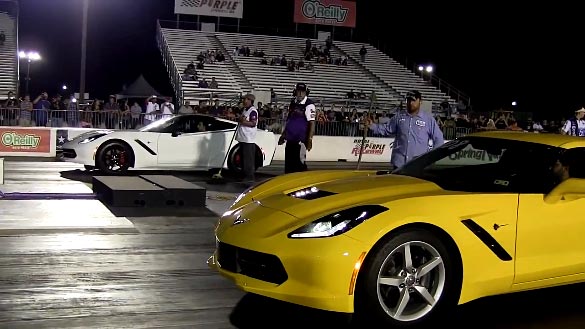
point(576, 125)
point(246, 135)
point(152, 110)
point(167, 108)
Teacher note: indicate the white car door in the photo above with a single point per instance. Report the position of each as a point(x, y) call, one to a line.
point(183, 144)
point(219, 134)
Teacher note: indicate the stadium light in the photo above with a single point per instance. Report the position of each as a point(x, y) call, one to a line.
point(428, 69)
point(31, 56)
point(64, 87)
point(514, 103)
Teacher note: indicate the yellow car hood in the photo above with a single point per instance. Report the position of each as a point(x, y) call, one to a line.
point(349, 192)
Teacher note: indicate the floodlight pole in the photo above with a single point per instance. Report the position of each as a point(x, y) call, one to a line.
point(366, 129)
point(83, 51)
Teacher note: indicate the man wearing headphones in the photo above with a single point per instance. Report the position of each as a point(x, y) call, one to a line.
point(298, 131)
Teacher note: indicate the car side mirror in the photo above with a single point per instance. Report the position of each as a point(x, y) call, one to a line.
point(569, 190)
point(176, 133)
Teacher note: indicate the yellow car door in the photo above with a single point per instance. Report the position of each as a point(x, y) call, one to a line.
point(550, 241)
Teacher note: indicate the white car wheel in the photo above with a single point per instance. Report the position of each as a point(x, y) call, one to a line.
point(114, 158)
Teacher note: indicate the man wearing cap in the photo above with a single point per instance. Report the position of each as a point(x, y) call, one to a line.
point(576, 125)
point(246, 135)
point(298, 132)
point(412, 130)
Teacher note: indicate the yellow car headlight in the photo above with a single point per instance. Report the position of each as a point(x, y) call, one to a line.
point(337, 223)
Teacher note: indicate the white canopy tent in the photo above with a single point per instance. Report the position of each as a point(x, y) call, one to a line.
point(140, 88)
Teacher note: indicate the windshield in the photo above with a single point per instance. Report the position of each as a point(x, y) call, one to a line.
point(159, 125)
point(477, 164)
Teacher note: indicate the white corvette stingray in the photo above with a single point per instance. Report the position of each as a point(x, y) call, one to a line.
point(183, 142)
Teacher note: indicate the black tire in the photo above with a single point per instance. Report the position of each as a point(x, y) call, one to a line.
point(380, 302)
point(89, 168)
point(234, 161)
point(114, 158)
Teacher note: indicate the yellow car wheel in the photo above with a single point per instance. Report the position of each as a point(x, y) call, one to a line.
point(409, 280)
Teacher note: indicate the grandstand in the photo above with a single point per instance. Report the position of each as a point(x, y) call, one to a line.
point(184, 46)
point(328, 83)
point(8, 56)
point(394, 74)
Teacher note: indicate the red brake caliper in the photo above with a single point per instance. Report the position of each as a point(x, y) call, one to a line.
point(122, 158)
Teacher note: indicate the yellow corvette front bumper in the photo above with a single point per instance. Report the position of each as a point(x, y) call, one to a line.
point(318, 273)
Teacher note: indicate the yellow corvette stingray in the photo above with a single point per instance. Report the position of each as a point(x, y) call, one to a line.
point(492, 213)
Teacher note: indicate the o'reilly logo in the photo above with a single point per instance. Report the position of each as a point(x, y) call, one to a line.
point(13, 139)
point(315, 9)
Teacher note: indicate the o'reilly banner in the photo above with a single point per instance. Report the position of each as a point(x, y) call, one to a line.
point(325, 12)
point(222, 8)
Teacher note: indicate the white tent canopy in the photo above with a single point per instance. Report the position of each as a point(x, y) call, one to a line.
point(138, 89)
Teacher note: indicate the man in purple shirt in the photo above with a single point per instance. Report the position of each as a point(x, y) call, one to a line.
point(298, 131)
point(412, 129)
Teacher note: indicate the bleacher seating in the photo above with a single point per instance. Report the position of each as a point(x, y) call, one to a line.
point(8, 56)
point(184, 47)
point(327, 81)
point(239, 74)
point(392, 72)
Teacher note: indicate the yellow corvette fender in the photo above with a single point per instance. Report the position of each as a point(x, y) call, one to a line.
point(487, 272)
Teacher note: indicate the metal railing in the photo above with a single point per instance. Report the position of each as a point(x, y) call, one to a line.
point(75, 119)
point(169, 62)
point(131, 121)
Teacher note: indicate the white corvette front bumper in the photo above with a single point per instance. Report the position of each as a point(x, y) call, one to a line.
point(80, 153)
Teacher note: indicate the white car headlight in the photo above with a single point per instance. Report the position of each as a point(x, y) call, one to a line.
point(337, 223)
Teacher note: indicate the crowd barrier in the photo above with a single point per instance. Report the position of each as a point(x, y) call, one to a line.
point(128, 121)
point(42, 142)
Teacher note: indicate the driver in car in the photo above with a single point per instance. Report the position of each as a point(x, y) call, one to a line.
point(569, 165)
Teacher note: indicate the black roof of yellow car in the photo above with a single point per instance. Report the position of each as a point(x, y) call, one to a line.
point(555, 140)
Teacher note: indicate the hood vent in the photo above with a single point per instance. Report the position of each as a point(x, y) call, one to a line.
point(310, 193)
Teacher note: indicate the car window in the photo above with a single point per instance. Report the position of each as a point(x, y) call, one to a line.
point(478, 164)
point(213, 124)
point(574, 159)
point(191, 124)
point(160, 126)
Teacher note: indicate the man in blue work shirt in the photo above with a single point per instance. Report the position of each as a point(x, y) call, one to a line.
point(412, 131)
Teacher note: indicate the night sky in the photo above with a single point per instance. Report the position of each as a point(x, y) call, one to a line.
point(496, 54)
